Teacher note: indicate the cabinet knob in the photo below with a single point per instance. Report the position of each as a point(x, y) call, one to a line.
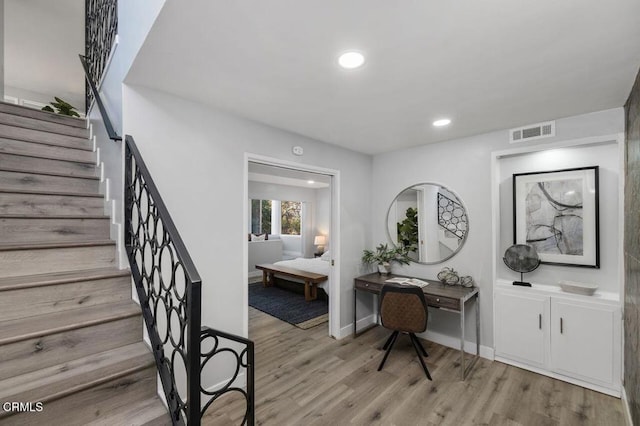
point(438, 299)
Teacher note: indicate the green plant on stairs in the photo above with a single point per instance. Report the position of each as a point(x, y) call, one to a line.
point(62, 108)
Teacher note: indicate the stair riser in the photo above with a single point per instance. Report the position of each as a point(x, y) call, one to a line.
point(41, 115)
point(37, 204)
point(45, 126)
point(22, 303)
point(50, 230)
point(43, 165)
point(43, 261)
point(91, 404)
point(37, 136)
point(41, 352)
point(46, 151)
point(34, 182)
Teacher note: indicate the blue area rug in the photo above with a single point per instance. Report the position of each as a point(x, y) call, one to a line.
point(288, 306)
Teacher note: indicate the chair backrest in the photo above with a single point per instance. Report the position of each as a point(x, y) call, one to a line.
point(403, 308)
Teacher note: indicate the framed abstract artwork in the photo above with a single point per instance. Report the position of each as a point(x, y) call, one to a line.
point(557, 213)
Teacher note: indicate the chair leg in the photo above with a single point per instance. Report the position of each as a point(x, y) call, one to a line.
point(386, 345)
point(394, 336)
point(424, 366)
point(415, 339)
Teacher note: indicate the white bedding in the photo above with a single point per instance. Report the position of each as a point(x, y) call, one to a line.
point(317, 265)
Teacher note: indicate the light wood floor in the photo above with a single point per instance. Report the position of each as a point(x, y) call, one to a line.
point(304, 377)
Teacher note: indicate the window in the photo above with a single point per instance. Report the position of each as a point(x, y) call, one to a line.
point(290, 211)
point(260, 216)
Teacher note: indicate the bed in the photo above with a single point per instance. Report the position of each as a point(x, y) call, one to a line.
point(319, 265)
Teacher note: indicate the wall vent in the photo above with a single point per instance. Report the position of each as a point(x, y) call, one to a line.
point(533, 131)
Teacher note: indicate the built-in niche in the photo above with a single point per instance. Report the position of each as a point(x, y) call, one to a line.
point(606, 156)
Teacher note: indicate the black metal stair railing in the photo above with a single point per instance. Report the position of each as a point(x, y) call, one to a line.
point(101, 28)
point(166, 280)
point(169, 290)
point(452, 216)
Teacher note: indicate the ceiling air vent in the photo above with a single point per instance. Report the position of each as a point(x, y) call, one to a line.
point(533, 131)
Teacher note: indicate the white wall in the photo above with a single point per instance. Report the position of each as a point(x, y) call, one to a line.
point(135, 19)
point(464, 166)
point(322, 217)
point(196, 155)
point(42, 41)
point(2, 60)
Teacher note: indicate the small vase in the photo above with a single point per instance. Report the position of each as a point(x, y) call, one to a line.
point(384, 268)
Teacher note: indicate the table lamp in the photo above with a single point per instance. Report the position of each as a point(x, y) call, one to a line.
point(320, 241)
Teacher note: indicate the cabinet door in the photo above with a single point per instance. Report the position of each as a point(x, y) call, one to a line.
point(521, 327)
point(583, 340)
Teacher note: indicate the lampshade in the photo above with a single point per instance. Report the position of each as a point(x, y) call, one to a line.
point(320, 240)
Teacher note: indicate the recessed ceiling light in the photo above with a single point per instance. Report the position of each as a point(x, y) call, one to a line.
point(351, 60)
point(442, 122)
point(311, 182)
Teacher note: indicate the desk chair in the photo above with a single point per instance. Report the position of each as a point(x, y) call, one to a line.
point(403, 309)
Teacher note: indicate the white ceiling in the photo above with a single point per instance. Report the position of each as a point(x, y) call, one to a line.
point(487, 65)
point(42, 41)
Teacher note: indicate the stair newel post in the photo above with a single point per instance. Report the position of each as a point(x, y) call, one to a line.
point(193, 353)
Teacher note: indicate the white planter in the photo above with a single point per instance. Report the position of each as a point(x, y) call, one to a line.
point(384, 268)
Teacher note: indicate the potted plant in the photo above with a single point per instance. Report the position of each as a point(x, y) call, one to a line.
point(385, 256)
point(62, 108)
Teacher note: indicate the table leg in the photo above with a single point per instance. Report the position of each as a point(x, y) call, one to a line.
point(314, 291)
point(307, 291)
point(354, 312)
point(264, 278)
point(462, 366)
point(478, 324)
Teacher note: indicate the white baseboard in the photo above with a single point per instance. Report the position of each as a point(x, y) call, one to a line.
point(454, 342)
point(255, 274)
point(239, 382)
point(362, 323)
point(625, 406)
point(441, 339)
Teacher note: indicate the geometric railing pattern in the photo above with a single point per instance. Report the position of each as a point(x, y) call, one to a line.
point(243, 363)
point(101, 27)
point(452, 216)
point(169, 290)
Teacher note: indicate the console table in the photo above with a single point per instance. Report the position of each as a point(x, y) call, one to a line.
point(438, 295)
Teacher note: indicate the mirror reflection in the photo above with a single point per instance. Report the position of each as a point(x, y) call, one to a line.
point(428, 220)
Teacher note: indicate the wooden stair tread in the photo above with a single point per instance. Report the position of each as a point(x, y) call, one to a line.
point(23, 111)
point(64, 379)
point(44, 138)
point(27, 281)
point(48, 152)
point(45, 192)
point(42, 325)
point(146, 412)
point(42, 125)
point(5, 168)
point(54, 244)
point(47, 245)
point(31, 216)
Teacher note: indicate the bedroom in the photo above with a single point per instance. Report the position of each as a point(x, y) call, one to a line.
point(289, 218)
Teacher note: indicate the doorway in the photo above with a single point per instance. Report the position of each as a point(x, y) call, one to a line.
point(295, 208)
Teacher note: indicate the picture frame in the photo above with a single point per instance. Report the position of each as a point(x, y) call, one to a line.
point(557, 212)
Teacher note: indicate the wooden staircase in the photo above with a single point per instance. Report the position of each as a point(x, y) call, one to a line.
point(70, 335)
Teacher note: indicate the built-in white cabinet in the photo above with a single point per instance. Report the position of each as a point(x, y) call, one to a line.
point(523, 336)
point(569, 337)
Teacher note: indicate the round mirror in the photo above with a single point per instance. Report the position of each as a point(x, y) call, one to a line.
point(430, 221)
